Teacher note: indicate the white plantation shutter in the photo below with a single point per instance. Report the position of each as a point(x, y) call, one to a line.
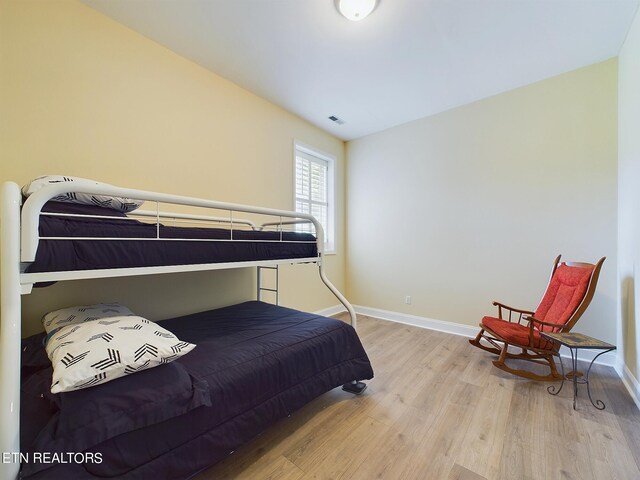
point(313, 191)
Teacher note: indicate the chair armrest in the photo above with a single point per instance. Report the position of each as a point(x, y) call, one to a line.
point(519, 311)
point(513, 309)
point(533, 320)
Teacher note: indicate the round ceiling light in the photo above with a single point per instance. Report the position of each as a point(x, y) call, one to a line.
point(356, 10)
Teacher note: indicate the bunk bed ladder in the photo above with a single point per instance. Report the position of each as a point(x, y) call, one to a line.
point(261, 288)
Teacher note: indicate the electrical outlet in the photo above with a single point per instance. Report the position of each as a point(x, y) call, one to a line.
point(407, 299)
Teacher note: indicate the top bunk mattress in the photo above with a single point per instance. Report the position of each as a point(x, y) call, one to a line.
point(129, 243)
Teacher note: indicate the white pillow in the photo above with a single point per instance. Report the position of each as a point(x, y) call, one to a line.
point(83, 313)
point(122, 204)
point(98, 351)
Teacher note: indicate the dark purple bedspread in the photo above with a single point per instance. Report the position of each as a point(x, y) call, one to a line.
point(261, 362)
point(62, 255)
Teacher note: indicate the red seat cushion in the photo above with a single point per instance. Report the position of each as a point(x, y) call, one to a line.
point(513, 332)
point(564, 294)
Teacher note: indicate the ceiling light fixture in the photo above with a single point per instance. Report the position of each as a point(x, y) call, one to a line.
point(355, 10)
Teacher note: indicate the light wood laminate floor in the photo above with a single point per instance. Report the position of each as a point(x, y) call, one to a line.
point(438, 409)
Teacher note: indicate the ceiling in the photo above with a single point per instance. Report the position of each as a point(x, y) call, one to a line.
point(408, 60)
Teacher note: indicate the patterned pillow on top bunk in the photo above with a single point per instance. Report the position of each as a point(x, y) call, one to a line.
point(94, 344)
point(121, 204)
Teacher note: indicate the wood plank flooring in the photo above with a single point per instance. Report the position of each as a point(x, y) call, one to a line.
point(438, 409)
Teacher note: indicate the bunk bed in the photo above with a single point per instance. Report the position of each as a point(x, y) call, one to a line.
point(253, 364)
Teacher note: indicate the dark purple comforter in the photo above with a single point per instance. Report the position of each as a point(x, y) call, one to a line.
point(260, 362)
point(62, 255)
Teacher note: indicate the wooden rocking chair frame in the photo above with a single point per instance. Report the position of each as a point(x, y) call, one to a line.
point(544, 356)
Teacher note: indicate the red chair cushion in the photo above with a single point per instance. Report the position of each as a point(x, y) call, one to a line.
point(564, 294)
point(513, 332)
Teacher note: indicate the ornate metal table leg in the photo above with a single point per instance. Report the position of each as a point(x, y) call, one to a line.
point(599, 404)
point(574, 362)
point(552, 388)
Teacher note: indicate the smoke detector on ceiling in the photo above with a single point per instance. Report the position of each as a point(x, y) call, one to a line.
point(337, 120)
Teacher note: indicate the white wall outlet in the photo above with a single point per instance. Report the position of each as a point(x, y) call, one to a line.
point(407, 299)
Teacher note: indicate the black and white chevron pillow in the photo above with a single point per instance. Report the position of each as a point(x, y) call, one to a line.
point(83, 313)
point(121, 204)
point(95, 352)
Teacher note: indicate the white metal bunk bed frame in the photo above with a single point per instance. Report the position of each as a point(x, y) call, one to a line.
point(19, 238)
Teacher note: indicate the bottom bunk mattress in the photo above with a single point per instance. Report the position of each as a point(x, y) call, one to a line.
point(254, 364)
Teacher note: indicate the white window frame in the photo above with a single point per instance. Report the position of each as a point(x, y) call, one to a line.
point(330, 227)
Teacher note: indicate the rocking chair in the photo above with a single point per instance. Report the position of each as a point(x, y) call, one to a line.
point(569, 293)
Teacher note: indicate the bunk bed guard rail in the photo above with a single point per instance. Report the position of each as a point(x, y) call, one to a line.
point(19, 239)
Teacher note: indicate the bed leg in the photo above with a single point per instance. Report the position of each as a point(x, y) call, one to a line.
point(355, 387)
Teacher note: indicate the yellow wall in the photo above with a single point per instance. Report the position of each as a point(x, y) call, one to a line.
point(472, 205)
point(629, 200)
point(82, 95)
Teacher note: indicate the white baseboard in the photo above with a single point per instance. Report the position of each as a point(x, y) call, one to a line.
point(630, 382)
point(331, 311)
point(422, 322)
point(607, 359)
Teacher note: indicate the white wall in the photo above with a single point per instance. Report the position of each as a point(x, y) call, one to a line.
point(473, 204)
point(629, 197)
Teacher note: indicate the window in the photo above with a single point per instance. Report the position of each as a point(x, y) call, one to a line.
point(314, 191)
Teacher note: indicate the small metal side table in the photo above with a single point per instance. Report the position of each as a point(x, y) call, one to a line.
point(574, 342)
